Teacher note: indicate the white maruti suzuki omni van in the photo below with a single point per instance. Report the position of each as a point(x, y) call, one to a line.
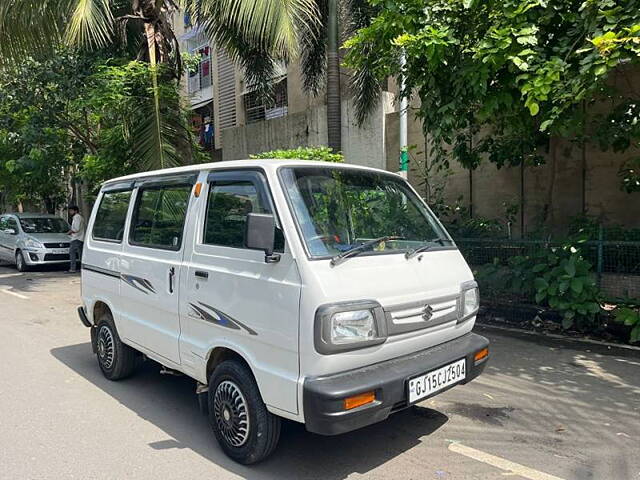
point(323, 293)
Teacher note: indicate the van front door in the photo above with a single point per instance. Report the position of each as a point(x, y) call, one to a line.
point(151, 266)
point(232, 298)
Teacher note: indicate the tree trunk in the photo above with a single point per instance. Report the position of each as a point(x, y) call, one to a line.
point(334, 115)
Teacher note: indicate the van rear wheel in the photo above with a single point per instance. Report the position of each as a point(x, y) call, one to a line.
point(116, 360)
point(244, 428)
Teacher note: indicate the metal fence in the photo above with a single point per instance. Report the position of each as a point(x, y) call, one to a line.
point(616, 263)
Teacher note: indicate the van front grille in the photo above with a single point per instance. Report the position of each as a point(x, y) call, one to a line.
point(421, 315)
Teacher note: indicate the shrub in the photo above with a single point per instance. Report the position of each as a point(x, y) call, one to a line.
point(324, 154)
point(629, 314)
point(557, 277)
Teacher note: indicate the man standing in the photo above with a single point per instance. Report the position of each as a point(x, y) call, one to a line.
point(77, 238)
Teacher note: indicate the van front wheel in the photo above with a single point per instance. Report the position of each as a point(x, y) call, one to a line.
point(244, 428)
point(116, 359)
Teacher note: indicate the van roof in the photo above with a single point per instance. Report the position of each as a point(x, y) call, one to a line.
point(270, 163)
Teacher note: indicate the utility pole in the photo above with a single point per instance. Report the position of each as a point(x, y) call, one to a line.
point(404, 106)
point(334, 112)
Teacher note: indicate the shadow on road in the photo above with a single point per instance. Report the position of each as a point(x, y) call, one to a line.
point(169, 403)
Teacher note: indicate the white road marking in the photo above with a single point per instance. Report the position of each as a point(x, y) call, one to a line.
point(9, 292)
point(8, 275)
point(501, 463)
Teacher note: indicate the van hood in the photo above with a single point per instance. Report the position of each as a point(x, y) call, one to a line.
point(391, 279)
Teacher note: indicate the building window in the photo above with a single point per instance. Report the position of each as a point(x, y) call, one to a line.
point(200, 77)
point(256, 109)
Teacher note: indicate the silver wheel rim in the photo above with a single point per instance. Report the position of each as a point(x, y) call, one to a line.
point(106, 351)
point(231, 413)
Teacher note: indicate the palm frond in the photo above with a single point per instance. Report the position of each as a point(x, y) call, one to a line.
point(91, 24)
point(365, 86)
point(160, 131)
point(31, 26)
point(313, 61)
point(273, 26)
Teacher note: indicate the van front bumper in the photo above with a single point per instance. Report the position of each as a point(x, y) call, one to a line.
point(323, 397)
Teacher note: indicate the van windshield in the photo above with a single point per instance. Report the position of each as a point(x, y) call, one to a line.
point(44, 225)
point(338, 209)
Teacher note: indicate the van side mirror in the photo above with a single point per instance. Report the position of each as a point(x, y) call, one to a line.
point(9, 231)
point(260, 234)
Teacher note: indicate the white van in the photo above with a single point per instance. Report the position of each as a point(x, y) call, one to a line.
point(323, 293)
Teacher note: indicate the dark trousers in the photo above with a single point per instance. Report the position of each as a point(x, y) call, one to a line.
point(75, 254)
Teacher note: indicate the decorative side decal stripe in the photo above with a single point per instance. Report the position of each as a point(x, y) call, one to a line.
point(219, 318)
point(138, 283)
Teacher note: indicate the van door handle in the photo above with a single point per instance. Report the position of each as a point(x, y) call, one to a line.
point(172, 272)
point(201, 274)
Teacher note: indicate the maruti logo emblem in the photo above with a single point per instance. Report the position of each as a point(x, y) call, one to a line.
point(427, 313)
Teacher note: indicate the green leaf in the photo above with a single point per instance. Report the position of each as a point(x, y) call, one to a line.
point(540, 267)
point(534, 108)
point(567, 322)
point(540, 283)
point(570, 267)
point(540, 296)
point(577, 285)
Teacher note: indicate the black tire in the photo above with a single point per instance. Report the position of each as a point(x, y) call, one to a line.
point(21, 265)
point(116, 360)
point(233, 388)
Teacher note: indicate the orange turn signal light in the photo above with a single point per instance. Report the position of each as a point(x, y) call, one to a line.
point(197, 189)
point(481, 355)
point(359, 400)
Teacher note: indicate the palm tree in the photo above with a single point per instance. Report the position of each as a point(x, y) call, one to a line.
point(320, 39)
point(272, 27)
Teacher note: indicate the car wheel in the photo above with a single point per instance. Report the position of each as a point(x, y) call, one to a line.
point(21, 265)
point(116, 360)
point(244, 428)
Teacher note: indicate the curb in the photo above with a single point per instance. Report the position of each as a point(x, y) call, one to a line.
point(559, 337)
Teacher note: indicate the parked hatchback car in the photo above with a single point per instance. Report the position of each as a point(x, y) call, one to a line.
point(31, 239)
point(321, 293)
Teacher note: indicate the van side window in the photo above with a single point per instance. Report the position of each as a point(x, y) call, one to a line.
point(159, 216)
point(111, 215)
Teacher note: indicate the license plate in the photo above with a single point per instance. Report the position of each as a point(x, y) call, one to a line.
point(436, 380)
point(59, 250)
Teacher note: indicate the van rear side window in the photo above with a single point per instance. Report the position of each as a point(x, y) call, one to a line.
point(111, 215)
point(158, 219)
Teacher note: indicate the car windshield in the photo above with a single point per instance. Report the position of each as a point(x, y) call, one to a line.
point(44, 225)
point(338, 209)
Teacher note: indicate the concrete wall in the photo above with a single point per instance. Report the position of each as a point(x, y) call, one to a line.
point(553, 191)
point(363, 145)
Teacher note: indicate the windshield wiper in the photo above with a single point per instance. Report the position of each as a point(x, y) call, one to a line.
point(338, 259)
point(425, 247)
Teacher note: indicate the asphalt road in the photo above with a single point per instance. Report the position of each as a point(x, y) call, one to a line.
point(543, 410)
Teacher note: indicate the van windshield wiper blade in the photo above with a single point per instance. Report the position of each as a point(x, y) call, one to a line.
point(425, 247)
point(338, 259)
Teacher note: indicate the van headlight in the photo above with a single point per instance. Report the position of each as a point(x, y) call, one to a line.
point(469, 301)
point(347, 326)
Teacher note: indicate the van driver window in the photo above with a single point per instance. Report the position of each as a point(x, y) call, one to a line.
point(159, 216)
point(229, 204)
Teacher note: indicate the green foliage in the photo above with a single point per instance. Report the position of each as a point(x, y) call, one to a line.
point(324, 154)
point(558, 277)
point(499, 78)
point(71, 117)
point(629, 315)
point(630, 175)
